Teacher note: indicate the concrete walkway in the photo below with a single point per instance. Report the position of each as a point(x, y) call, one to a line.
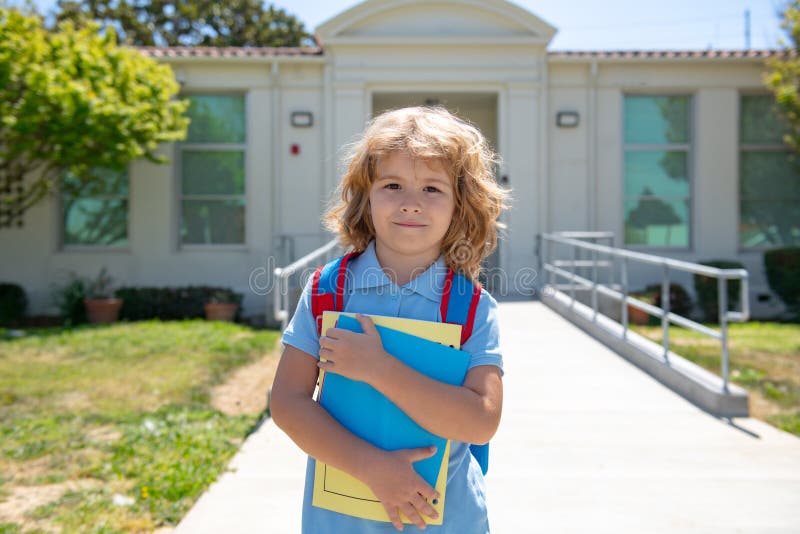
point(588, 444)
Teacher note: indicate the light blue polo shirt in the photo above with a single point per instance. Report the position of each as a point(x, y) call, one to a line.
point(368, 290)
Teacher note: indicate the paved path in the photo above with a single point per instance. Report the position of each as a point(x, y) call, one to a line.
point(606, 448)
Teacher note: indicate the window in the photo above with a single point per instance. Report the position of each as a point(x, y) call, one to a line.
point(212, 176)
point(95, 212)
point(769, 180)
point(657, 187)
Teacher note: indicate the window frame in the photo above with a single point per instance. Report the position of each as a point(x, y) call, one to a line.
point(644, 147)
point(750, 147)
point(178, 195)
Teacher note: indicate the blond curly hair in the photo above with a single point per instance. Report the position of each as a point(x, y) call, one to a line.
point(434, 135)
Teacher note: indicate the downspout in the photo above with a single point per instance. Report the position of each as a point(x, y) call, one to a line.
point(591, 132)
point(275, 190)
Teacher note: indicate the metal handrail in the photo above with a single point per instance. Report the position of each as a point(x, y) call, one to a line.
point(282, 274)
point(571, 239)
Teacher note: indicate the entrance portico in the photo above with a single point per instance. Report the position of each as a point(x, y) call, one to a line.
point(485, 61)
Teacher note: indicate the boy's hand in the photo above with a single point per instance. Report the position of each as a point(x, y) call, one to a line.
point(356, 356)
point(400, 489)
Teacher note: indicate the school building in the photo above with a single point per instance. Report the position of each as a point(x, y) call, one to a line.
point(676, 152)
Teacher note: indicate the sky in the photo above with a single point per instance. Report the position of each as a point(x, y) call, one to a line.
point(615, 24)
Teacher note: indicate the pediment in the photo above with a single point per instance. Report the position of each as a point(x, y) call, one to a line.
point(464, 20)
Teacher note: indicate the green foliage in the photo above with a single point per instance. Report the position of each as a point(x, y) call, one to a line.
point(193, 447)
point(789, 422)
point(190, 22)
point(13, 303)
point(168, 303)
point(72, 100)
point(783, 274)
point(101, 287)
point(783, 74)
point(707, 292)
point(152, 436)
point(69, 299)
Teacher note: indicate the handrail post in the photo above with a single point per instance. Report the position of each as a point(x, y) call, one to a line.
point(722, 290)
point(665, 311)
point(624, 280)
point(572, 277)
point(539, 251)
point(284, 295)
point(594, 286)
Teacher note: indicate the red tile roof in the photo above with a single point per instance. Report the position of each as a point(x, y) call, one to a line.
point(267, 52)
point(225, 52)
point(665, 54)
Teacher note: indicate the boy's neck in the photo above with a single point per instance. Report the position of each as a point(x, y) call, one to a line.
point(402, 268)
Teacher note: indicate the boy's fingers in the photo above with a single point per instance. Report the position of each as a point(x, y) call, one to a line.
point(366, 324)
point(413, 515)
point(423, 507)
point(394, 516)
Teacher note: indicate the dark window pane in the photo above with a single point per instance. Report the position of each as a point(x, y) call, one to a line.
point(216, 119)
point(769, 223)
point(213, 222)
point(657, 222)
point(660, 173)
point(769, 175)
point(89, 221)
point(212, 172)
point(759, 120)
point(656, 119)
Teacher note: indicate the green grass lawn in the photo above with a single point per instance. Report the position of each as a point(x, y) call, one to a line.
point(764, 358)
point(118, 413)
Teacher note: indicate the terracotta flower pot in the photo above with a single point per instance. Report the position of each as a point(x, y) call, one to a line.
point(220, 311)
point(637, 316)
point(102, 311)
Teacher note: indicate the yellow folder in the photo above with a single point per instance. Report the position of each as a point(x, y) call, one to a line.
point(340, 492)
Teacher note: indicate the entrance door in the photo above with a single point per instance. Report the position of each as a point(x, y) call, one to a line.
point(480, 109)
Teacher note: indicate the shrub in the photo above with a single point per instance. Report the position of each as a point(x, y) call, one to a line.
point(69, 299)
point(680, 302)
point(783, 274)
point(707, 292)
point(13, 303)
point(169, 303)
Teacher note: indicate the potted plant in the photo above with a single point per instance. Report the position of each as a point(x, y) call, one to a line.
point(637, 316)
point(222, 305)
point(100, 303)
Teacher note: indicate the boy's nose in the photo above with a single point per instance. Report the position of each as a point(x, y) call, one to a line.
point(410, 209)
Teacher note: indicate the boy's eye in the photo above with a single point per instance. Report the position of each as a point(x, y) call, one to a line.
point(432, 189)
point(392, 186)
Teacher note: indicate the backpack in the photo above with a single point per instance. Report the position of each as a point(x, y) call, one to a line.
point(459, 301)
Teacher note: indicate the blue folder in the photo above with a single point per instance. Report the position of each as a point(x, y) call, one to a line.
point(368, 414)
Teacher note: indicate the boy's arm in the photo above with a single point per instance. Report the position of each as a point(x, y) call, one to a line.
point(469, 413)
point(390, 475)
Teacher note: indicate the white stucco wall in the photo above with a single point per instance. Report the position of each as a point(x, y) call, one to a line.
point(578, 204)
point(561, 178)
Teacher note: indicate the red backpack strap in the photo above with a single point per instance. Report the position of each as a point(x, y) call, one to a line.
point(327, 288)
point(460, 299)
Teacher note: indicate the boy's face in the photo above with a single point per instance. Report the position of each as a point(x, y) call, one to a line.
point(411, 203)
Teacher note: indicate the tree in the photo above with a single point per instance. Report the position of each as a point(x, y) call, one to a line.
point(189, 22)
point(72, 101)
point(783, 76)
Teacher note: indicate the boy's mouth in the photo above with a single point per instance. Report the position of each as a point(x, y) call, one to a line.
point(410, 224)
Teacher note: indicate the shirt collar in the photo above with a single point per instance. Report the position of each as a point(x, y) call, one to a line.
point(367, 273)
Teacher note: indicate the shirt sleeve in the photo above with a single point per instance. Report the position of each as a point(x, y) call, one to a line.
point(484, 343)
point(301, 332)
